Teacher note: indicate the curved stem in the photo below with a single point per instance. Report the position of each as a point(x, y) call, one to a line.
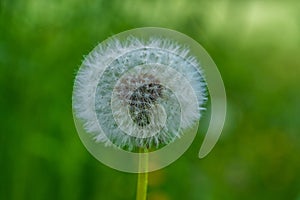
point(142, 177)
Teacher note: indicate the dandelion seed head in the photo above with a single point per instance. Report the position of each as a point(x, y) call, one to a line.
point(139, 93)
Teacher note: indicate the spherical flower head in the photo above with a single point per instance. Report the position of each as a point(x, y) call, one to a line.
point(136, 93)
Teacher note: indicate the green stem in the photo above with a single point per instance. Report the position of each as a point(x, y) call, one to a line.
point(142, 177)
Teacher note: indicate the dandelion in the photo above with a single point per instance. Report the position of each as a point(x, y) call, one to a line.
point(136, 93)
point(131, 89)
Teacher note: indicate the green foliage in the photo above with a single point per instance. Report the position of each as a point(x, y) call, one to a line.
point(256, 46)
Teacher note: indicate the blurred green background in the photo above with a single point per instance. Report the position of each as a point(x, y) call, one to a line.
point(255, 44)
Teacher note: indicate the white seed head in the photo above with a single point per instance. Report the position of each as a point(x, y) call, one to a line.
point(139, 93)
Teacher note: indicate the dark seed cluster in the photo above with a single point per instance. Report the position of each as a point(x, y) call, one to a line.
point(141, 101)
